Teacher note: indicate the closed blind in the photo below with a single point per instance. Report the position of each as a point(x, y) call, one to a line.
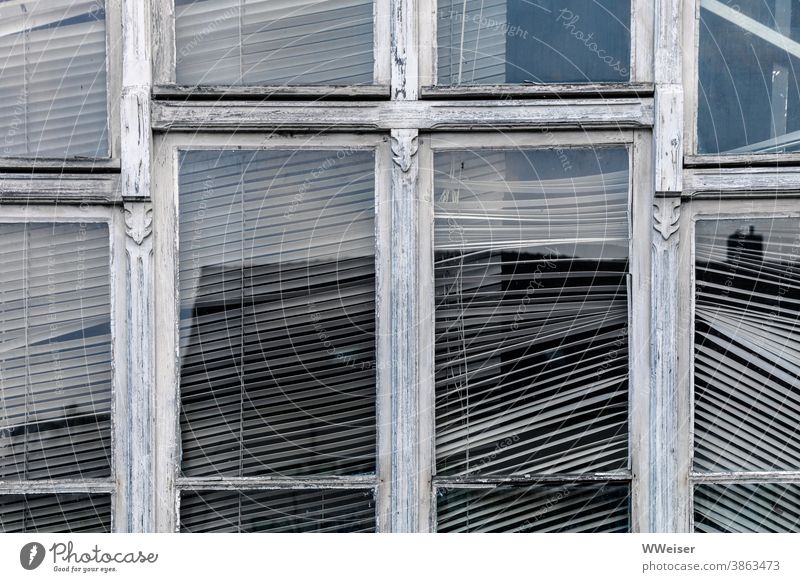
point(55, 351)
point(53, 78)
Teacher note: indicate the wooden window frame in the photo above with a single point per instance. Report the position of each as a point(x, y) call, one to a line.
point(115, 484)
point(639, 204)
point(167, 366)
point(735, 205)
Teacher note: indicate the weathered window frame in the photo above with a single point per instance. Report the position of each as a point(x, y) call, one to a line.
point(116, 484)
point(733, 201)
point(164, 64)
point(639, 200)
point(165, 206)
point(641, 65)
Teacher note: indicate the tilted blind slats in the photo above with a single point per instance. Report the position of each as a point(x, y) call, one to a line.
point(55, 513)
point(747, 343)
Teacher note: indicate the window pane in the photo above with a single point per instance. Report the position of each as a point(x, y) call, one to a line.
point(264, 42)
point(59, 513)
point(574, 508)
point(747, 345)
point(55, 351)
point(277, 271)
point(531, 253)
point(53, 81)
point(547, 41)
point(747, 508)
point(302, 511)
point(749, 94)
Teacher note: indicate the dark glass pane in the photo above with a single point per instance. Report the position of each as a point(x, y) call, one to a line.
point(55, 513)
point(749, 94)
point(300, 511)
point(55, 351)
point(762, 507)
point(747, 345)
point(573, 508)
point(277, 313)
point(547, 41)
point(263, 42)
point(53, 78)
point(531, 270)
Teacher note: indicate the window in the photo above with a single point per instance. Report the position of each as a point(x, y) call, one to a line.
point(259, 42)
point(748, 99)
point(56, 376)
point(531, 271)
point(278, 385)
point(745, 373)
point(53, 98)
point(513, 41)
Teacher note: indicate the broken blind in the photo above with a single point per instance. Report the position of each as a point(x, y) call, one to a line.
point(277, 288)
point(531, 366)
point(53, 78)
point(746, 371)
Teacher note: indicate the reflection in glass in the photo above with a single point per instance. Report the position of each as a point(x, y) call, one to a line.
point(55, 351)
point(547, 41)
point(531, 253)
point(569, 507)
point(277, 288)
point(761, 507)
point(263, 42)
point(55, 513)
point(747, 345)
point(749, 94)
point(300, 511)
point(53, 78)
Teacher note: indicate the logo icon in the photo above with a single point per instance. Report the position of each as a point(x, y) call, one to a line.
point(31, 555)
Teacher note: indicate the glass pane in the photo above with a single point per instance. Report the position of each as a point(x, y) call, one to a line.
point(301, 511)
point(55, 513)
point(758, 507)
point(747, 345)
point(277, 272)
point(55, 351)
point(573, 508)
point(547, 41)
point(749, 94)
point(263, 42)
point(531, 262)
point(53, 81)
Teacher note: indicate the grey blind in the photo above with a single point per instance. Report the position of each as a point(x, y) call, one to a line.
point(747, 508)
point(274, 42)
point(747, 345)
point(55, 513)
point(299, 511)
point(55, 351)
point(573, 508)
point(277, 285)
point(53, 78)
